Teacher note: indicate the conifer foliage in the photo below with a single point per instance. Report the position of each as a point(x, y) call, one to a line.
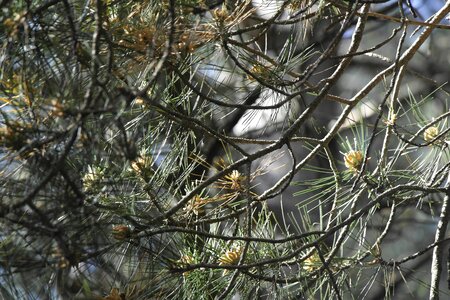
point(234, 149)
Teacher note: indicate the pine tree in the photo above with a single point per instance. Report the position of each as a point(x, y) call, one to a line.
point(200, 149)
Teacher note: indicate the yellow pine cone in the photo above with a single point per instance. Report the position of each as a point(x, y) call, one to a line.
point(230, 257)
point(235, 180)
point(115, 295)
point(258, 70)
point(220, 14)
point(312, 263)
point(184, 261)
point(296, 4)
point(430, 133)
point(353, 160)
